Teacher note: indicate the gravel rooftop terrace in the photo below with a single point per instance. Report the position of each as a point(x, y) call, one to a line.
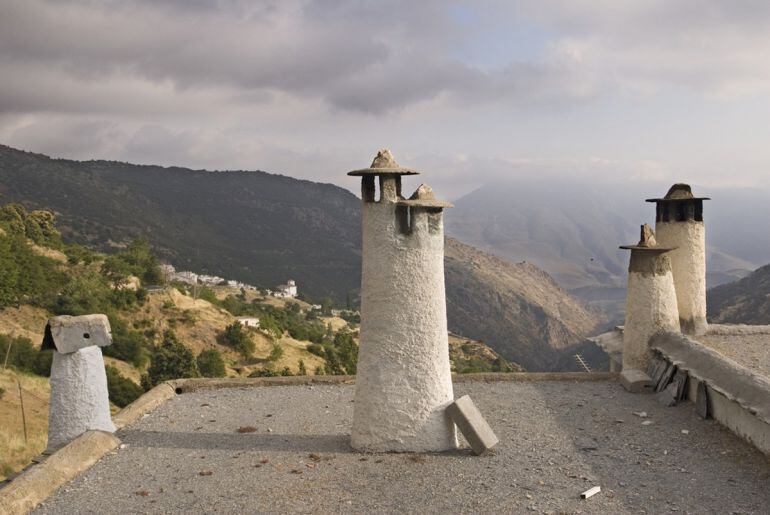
point(557, 439)
point(752, 351)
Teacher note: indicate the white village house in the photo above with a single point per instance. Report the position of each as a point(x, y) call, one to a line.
point(288, 290)
point(248, 321)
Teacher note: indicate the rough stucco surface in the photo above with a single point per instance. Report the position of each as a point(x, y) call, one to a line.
point(79, 400)
point(404, 380)
point(688, 263)
point(651, 307)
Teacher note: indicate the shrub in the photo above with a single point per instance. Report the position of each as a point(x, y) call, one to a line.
point(236, 337)
point(127, 345)
point(276, 353)
point(263, 372)
point(122, 391)
point(170, 360)
point(24, 357)
point(301, 370)
point(317, 349)
point(211, 364)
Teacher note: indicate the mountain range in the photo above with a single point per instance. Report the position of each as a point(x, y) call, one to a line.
point(746, 301)
point(572, 229)
point(262, 228)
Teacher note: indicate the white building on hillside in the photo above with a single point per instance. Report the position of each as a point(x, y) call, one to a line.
point(288, 290)
point(186, 277)
point(248, 321)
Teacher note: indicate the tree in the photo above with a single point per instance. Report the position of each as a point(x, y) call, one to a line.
point(301, 370)
point(171, 360)
point(211, 364)
point(235, 336)
point(139, 255)
point(326, 306)
point(117, 270)
point(347, 351)
point(127, 345)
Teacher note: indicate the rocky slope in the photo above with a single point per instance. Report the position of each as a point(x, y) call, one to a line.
point(516, 309)
point(746, 301)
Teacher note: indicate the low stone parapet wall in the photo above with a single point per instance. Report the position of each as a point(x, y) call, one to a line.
point(735, 396)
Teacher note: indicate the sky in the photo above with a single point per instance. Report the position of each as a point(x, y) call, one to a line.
point(466, 92)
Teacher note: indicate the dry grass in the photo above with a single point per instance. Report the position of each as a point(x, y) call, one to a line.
point(196, 322)
point(336, 322)
point(15, 453)
point(25, 321)
point(126, 369)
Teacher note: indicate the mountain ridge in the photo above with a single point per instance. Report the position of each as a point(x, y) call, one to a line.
point(262, 229)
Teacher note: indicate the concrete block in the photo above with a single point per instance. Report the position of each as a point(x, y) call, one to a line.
point(636, 381)
point(472, 425)
point(70, 334)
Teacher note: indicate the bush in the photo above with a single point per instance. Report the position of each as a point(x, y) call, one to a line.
point(170, 360)
point(24, 357)
point(263, 372)
point(317, 349)
point(211, 364)
point(127, 345)
point(122, 391)
point(236, 337)
point(276, 353)
point(43, 360)
point(301, 370)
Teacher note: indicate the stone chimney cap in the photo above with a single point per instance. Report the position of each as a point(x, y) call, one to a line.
point(384, 164)
point(679, 191)
point(424, 197)
point(647, 242)
point(68, 334)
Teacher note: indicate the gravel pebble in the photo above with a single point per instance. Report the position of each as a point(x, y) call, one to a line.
point(538, 465)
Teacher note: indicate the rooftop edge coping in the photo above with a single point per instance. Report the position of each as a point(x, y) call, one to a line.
point(728, 377)
point(33, 485)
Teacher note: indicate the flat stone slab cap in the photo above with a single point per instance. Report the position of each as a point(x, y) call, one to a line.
point(424, 197)
point(69, 334)
point(678, 192)
point(384, 164)
point(647, 241)
point(472, 425)
point(636, 381)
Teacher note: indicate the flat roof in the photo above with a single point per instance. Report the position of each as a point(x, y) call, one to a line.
point(557, 439)
point(750, 350)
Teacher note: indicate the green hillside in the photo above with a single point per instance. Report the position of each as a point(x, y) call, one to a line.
point(255, 227)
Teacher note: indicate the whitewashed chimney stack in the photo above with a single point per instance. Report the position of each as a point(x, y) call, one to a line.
point(404, 381)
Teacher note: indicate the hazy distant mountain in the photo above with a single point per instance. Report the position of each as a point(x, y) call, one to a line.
point(746, 301)
point(263, 228)
point(572, 229)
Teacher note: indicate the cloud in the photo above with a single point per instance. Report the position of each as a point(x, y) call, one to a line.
point(469, 90)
